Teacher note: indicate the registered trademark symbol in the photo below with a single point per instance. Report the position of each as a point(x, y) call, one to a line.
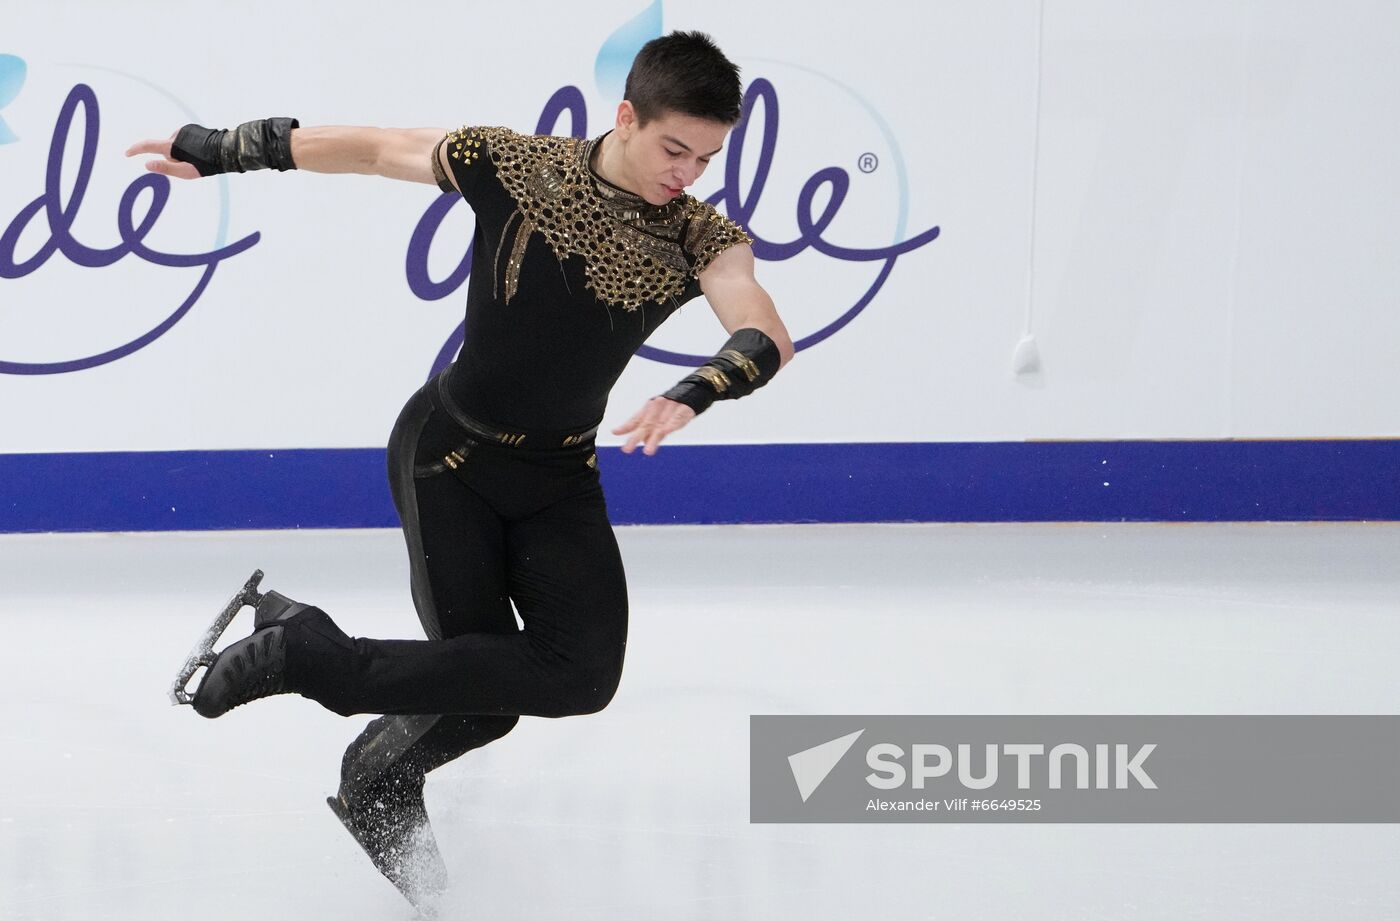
point(868, 163)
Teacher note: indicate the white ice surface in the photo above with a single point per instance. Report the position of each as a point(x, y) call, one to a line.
point(116, 806)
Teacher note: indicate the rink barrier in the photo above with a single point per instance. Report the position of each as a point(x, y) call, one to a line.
point(1314, 480)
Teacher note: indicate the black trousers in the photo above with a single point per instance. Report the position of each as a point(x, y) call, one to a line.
point(485, 524)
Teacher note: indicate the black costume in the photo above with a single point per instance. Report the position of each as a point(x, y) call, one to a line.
point(492, 463)
point(494, 476)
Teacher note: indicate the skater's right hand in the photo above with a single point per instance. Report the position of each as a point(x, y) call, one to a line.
point(167, 165)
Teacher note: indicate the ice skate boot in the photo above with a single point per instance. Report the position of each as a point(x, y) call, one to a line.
point(391, 824)
point(249, 669)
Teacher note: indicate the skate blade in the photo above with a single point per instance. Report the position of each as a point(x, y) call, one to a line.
point(202, 656)
point(424, 901)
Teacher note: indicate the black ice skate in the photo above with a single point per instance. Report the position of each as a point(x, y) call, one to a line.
point(393, 830)
point(247, 670)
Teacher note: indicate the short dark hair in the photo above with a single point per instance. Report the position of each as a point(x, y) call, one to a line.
point(684, 72)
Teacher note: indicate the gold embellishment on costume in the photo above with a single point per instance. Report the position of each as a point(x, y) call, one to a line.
point(464, 145)
point(743, 362)
point(496, 266)
point(513, 440)
point(633, 252)
point(593, 460)
point(571, 440)
point(717, 378)
point(517, 256)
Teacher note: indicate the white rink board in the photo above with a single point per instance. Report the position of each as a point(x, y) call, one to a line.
point(1211, 184)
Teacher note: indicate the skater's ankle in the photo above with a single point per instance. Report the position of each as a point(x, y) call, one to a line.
point(320, 657)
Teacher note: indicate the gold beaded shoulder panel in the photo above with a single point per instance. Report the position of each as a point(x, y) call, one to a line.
point(633, 251)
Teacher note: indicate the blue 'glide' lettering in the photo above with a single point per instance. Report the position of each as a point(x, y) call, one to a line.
point(60, 215)
point(737, 202)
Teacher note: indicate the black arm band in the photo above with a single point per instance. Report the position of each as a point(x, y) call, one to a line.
point(748, 361)
point(262, 144)
point(438, 172)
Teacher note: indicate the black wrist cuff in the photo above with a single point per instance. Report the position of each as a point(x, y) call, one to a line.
point(748, 361)
point(200, 145)
point(695, 395)
point(262, 144)
point(270, 144)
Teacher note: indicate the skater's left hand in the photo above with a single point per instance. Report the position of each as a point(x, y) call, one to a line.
point(658, 418)
point(167, 165)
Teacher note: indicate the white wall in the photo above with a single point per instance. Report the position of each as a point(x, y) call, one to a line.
point(1189, 205)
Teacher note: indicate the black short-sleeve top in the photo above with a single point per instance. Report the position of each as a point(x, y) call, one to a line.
point(569, 275)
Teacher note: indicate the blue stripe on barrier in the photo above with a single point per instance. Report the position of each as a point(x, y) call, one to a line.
point(683, 484)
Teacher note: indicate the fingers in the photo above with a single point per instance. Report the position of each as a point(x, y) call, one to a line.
point(650, 436)
point(149, 146)
point(641, 432)
point(659, 418)
point(650, 439)
point(649, 408)
point(173, 168)
point(630, 424)
point(654, 442)
point(167, 166)
point(639, 425)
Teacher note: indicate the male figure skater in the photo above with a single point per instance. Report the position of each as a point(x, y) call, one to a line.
point(582, 249)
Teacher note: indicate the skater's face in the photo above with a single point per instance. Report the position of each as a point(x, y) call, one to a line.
point(668, 154)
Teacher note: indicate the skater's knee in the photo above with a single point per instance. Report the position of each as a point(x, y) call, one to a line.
point(494, 727)
point(592, 688)
point(343, 709)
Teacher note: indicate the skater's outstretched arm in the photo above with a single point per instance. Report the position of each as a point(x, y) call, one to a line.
point(395, 153)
